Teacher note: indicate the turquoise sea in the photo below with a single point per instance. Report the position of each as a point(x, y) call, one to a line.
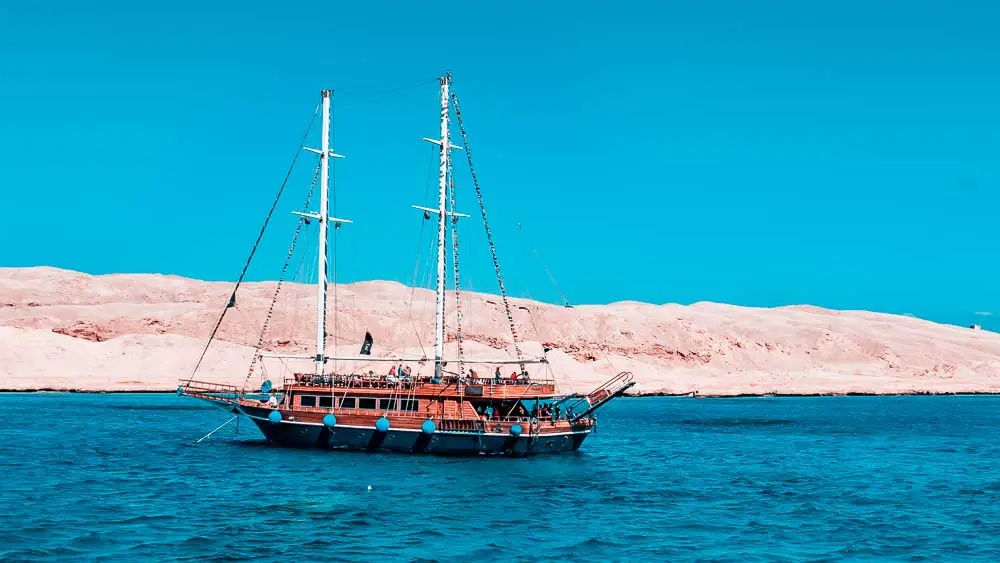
point(118, 477)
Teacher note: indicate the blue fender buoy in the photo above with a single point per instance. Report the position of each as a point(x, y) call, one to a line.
point(516, 430)
point(274, 417)
point(266, 386)
point(180, 390)
point(382, 424)
point(428, 427)
point(329, 421)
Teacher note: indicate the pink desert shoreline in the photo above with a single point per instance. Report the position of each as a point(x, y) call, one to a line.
point(68, 331)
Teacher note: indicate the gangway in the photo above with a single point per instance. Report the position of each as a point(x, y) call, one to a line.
point(614, 387)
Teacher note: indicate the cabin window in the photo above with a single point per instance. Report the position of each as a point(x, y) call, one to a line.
point(364, 403)
point(348, 403)
point(386, 404)
point(326, 402)
point(408, 405)
point(307, 400)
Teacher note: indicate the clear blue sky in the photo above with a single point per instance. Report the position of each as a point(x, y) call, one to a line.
point(843, 154)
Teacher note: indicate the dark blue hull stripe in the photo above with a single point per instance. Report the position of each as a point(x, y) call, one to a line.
point(307, 435)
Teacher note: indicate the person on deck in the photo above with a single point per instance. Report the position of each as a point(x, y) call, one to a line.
point(497, 376)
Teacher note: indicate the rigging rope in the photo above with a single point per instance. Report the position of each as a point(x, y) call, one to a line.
point(416, 265)
point(336, 232)
point(392, 90)
point(277, 198)
point(458, 293)
point(489, 236)
point(552, 279)
point(257, 356)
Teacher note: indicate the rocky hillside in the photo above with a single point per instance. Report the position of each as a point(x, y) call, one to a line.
point(67, 330)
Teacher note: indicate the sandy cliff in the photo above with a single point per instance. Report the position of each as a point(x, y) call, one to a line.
point(67, 330)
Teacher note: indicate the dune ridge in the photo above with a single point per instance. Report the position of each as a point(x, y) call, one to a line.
point(66, 330)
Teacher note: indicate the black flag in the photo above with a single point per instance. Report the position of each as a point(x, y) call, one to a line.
point(366, 347)
point(232, 301)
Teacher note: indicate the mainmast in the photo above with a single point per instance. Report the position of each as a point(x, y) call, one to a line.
point(442, 217)
point(324, 218)
point(442, 212)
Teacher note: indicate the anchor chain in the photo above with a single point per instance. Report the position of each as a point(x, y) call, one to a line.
point(489, 235)
point(458, 293)
point(257, 356)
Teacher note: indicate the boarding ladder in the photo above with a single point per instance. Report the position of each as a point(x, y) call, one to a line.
point(599, 397)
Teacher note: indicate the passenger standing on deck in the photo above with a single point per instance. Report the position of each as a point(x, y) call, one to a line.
point(497, 376)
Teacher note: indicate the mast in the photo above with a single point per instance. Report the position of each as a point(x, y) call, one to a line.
point(442, 217)
point(324, 218)
point(442, 212)
point(324, 203)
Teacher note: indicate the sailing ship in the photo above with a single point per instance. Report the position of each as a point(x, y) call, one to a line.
point(451, 410)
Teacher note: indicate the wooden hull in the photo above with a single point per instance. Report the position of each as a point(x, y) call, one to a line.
point(358, 437)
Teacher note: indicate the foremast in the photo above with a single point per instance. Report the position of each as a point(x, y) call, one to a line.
point(324, 218)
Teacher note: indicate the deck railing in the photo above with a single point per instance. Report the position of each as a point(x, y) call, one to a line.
point(481, 420)
point(211, 389)
point(392, 382)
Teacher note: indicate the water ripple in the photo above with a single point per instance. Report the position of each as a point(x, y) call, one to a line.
point(909, 479)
